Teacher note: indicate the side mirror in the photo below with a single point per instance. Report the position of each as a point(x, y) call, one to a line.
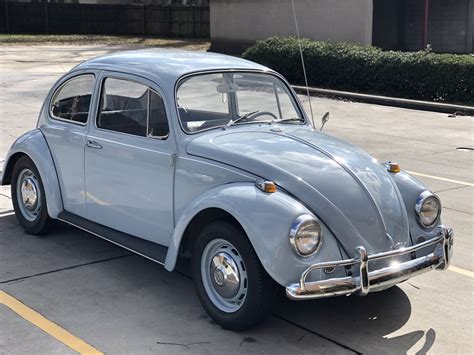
point(324, 119)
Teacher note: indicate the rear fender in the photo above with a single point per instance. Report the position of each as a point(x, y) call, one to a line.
point(34, 145)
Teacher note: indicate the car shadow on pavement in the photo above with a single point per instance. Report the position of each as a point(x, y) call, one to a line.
point(369, 324)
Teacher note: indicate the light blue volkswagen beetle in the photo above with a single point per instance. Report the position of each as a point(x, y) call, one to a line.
point(179, 154)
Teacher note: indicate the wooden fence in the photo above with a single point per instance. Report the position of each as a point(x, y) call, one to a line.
point(57, 18)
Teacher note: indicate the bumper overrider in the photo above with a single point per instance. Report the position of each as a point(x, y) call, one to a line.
point(372, 280)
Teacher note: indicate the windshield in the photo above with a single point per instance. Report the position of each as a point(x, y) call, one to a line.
point(222, 99)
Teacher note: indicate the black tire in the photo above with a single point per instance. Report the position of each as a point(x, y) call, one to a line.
point(42, 223)
point(260, 288)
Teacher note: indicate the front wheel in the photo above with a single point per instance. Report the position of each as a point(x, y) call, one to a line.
point(231, 283)
point(28, 197)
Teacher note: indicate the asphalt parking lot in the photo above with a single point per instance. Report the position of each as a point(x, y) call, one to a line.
point(72, 292)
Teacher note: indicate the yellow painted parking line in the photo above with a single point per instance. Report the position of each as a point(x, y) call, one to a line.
point(47, 326)
point(461, 271)
point(441, 178)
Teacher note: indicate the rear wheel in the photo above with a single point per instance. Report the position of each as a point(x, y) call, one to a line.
point(28, 197)
point(233, 287)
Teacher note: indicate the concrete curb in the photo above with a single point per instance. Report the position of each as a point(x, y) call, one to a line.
point(392, 101)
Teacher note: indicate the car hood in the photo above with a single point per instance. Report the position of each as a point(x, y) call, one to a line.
point(351, 192)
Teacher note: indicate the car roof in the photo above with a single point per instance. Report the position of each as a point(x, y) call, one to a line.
point(166, 64)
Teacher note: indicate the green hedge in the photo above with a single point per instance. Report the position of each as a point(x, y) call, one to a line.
point(414, 75)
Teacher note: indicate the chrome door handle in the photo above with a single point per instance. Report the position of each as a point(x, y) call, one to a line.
point(93, 144)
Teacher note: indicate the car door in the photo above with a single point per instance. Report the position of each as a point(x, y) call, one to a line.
point(129, 160)
point(68, 115)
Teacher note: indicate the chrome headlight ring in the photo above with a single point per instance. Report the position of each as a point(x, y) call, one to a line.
point(306, 235)
point(428, 209)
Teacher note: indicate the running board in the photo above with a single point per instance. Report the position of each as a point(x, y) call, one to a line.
point(153, 251)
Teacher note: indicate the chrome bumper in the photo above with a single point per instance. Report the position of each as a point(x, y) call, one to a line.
point(367, 280)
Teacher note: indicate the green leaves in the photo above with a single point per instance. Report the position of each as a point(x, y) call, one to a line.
point(415, 75)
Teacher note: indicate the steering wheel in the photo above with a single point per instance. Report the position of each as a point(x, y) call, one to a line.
point(264, 113)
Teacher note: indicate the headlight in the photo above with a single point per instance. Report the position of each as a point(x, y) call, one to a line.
point(305, 235)
point(428, 208)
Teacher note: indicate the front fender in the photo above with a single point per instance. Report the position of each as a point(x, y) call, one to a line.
point(34, 145)
point(410, 188)
point(266, 219)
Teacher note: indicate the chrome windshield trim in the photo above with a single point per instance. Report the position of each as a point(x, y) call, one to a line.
point(292, 92)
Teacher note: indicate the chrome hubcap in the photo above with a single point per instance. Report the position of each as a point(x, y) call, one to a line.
point(224, 275)
point(28, 195)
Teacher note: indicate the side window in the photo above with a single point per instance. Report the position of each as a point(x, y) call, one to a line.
point(73, 99)
point(132, 108)
point(123, 107)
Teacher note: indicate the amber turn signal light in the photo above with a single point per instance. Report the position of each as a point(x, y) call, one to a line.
point(393, 167)
point(266, 186)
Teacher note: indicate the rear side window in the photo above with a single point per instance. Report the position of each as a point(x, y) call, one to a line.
point(132, 108)
point(72, 100)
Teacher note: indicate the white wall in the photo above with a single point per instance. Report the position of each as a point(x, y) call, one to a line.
point(235, 23)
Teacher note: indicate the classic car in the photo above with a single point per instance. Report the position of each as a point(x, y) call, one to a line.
point(175, 154)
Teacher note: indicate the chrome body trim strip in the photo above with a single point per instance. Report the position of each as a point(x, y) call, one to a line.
point(367, 281)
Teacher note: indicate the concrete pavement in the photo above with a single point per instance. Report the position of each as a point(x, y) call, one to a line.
point(122, 303)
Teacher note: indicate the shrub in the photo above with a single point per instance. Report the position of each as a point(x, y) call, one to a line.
point(415, 75)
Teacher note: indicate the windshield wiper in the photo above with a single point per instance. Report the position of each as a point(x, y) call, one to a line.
point(290, 119)
point(243, 117)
